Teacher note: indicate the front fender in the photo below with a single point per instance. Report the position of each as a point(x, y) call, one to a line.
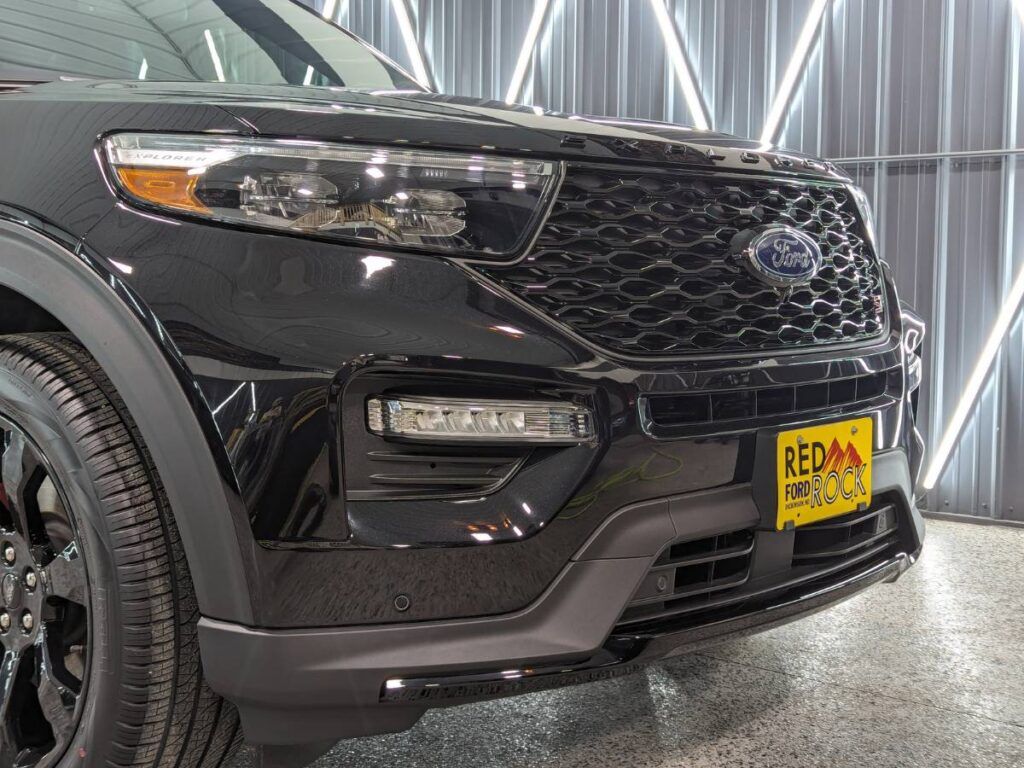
point(144, 366)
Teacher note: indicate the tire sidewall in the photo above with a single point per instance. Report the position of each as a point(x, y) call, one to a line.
point(30, 409)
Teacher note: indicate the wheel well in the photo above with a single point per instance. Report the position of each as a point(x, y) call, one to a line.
point(19, 314)
point(38, 273)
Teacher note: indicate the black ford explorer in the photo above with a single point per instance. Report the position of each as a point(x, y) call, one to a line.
point(326, 399)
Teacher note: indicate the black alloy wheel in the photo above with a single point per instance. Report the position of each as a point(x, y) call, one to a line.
point(44, 608)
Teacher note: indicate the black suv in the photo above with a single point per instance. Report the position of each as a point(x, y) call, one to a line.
point(326, 399)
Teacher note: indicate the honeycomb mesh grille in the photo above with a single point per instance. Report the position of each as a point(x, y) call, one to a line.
point(641, 262)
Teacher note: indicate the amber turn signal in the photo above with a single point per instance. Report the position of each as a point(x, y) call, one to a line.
point(170, 187)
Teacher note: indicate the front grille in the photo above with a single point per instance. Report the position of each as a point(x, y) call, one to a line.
point(722, 407)
point(641, 262)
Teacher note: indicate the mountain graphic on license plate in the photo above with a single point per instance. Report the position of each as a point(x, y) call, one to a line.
point(823, 471)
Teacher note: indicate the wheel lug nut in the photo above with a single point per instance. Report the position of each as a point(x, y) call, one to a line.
point(27, 622)
point(10, 555)
point(31, 580)
point(5, 621)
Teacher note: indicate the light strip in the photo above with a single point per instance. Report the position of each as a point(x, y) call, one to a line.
point(801, 51)
point(977, 379)
point(681, 66)
point(540, 10)
point(1019, 5)
point(493, 421)
point(143, 69)
point(217, 67)
point(412, 44)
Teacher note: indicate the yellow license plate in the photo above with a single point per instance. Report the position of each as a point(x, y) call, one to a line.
point(823, 471)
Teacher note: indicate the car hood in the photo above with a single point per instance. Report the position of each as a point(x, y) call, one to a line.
point(420, 119)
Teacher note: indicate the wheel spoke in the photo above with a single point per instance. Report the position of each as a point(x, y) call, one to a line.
point(66, 575)
point(44, 620)
point(8, 674)
point(55, 698)
point(21, 469)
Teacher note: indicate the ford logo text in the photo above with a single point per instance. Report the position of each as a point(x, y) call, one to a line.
point(783, 256)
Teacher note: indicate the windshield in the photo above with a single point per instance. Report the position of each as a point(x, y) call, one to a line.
point(267, 42)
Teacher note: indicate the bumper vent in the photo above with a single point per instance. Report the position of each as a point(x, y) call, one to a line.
point(693, 575)
point(432, 473)
point(698, 582)
point(846, 540)
point(721, 407)
point(641, 262)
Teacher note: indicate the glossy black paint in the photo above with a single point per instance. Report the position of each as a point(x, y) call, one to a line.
point(269, 330)
point(163, 399)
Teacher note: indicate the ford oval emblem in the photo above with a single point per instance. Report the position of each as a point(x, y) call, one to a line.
point(783, 256)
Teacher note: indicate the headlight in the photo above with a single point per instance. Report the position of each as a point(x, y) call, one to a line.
point(866, 214)
point(471, 204)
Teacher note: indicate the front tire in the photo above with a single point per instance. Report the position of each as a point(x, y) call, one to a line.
point(106, 670)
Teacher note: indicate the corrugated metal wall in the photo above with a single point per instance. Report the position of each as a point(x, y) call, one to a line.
point(884, 79)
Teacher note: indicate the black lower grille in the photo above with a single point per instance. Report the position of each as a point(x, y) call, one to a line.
point(718, 577)
point(846, 539)
point(721, 407)
point(691, 575)
point(644, 262)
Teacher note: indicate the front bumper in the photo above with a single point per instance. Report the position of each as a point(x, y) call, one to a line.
point(278, 349)
point(297, 686)
point(275, 348)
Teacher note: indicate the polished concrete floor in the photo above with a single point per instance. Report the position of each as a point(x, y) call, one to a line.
point(925, 672)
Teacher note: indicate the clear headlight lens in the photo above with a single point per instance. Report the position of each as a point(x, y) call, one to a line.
point(479, 420)
point(472, 204)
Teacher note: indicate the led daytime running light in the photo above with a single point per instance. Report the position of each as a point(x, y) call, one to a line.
point(479, 420)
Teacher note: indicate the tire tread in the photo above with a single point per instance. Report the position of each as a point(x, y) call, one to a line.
point(167, 717)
